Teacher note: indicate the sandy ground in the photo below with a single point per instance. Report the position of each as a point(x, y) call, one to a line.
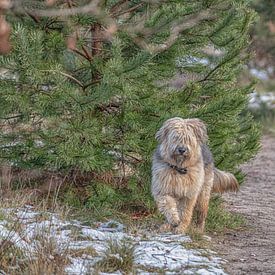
point(252, 251)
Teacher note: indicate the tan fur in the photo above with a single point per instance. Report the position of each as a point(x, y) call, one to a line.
point(177, 194)
point(224, 181)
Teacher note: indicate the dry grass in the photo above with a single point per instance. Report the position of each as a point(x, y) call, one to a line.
point(118, 256)
point(44, 258)
point(50, 258)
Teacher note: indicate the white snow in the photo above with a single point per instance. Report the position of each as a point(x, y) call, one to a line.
point(260, 74)
point(165, 252)
point(193, 61)
point(257, 99)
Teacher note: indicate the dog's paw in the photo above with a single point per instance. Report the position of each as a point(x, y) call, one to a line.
point(174, 221)
point(175, 225)
point(179, 230)
point(165, 228)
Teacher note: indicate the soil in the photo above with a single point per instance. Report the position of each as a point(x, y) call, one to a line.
point(252, 250)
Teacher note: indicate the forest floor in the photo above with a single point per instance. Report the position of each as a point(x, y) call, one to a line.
point(252, 250)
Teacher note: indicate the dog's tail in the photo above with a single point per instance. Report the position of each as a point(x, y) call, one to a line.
point(224, 181)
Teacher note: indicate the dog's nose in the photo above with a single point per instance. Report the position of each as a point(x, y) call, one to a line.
point(182, 150)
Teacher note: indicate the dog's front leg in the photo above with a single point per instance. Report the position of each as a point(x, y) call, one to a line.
point(167, 205)
point(186, 215)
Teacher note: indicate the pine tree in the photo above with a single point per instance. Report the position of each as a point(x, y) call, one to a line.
point(76, 99)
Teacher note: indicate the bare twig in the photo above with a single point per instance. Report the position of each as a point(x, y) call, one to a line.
point(129, 10)
point(117, 6)
point(107, 26)
point(66, 75)
point(5, 30)
point(91, 8)
point(176, 30)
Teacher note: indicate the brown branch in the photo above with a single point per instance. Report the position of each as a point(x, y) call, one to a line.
point(96, 43)
point(81, 54)
point(107, 26)
point(175, 31)
point(70, 4)
point(12, 117)
point(116, 6)
point(91, 83)
point(128, 11)
point(72, 78)
point(33, 17)
point(88, 55)
point(91, 8)
point(66, 75)
point(5, 30)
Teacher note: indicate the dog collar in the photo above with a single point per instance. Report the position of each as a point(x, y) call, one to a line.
point(182, 171)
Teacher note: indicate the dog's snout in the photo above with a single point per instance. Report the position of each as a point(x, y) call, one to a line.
point(182, 150)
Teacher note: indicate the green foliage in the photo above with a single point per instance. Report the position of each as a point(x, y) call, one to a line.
point(61, 111)
point(71, 199)
point(101, 198)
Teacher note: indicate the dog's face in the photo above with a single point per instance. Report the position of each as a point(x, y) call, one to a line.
point(180, 139)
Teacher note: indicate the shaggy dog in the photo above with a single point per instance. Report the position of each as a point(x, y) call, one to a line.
point(183, 173)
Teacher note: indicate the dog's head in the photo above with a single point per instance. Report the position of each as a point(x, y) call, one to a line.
point(180, 139)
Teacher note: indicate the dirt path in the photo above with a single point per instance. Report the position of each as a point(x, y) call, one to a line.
point(252, 251)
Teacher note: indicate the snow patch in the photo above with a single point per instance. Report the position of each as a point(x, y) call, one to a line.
point(260, 74)
point(162, 252)
point(258, 99)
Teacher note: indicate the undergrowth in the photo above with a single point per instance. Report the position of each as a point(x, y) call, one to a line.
point(101, 201)
point(138, 213)
point(131, 205)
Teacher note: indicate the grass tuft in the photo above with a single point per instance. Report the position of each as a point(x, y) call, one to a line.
point(118, 256)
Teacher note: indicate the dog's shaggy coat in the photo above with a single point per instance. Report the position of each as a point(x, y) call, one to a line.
point(183, 173)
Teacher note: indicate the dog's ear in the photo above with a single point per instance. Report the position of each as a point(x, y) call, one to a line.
point(161, 133)
point(199, 129)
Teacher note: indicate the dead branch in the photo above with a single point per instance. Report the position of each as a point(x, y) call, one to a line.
point(175, 32)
